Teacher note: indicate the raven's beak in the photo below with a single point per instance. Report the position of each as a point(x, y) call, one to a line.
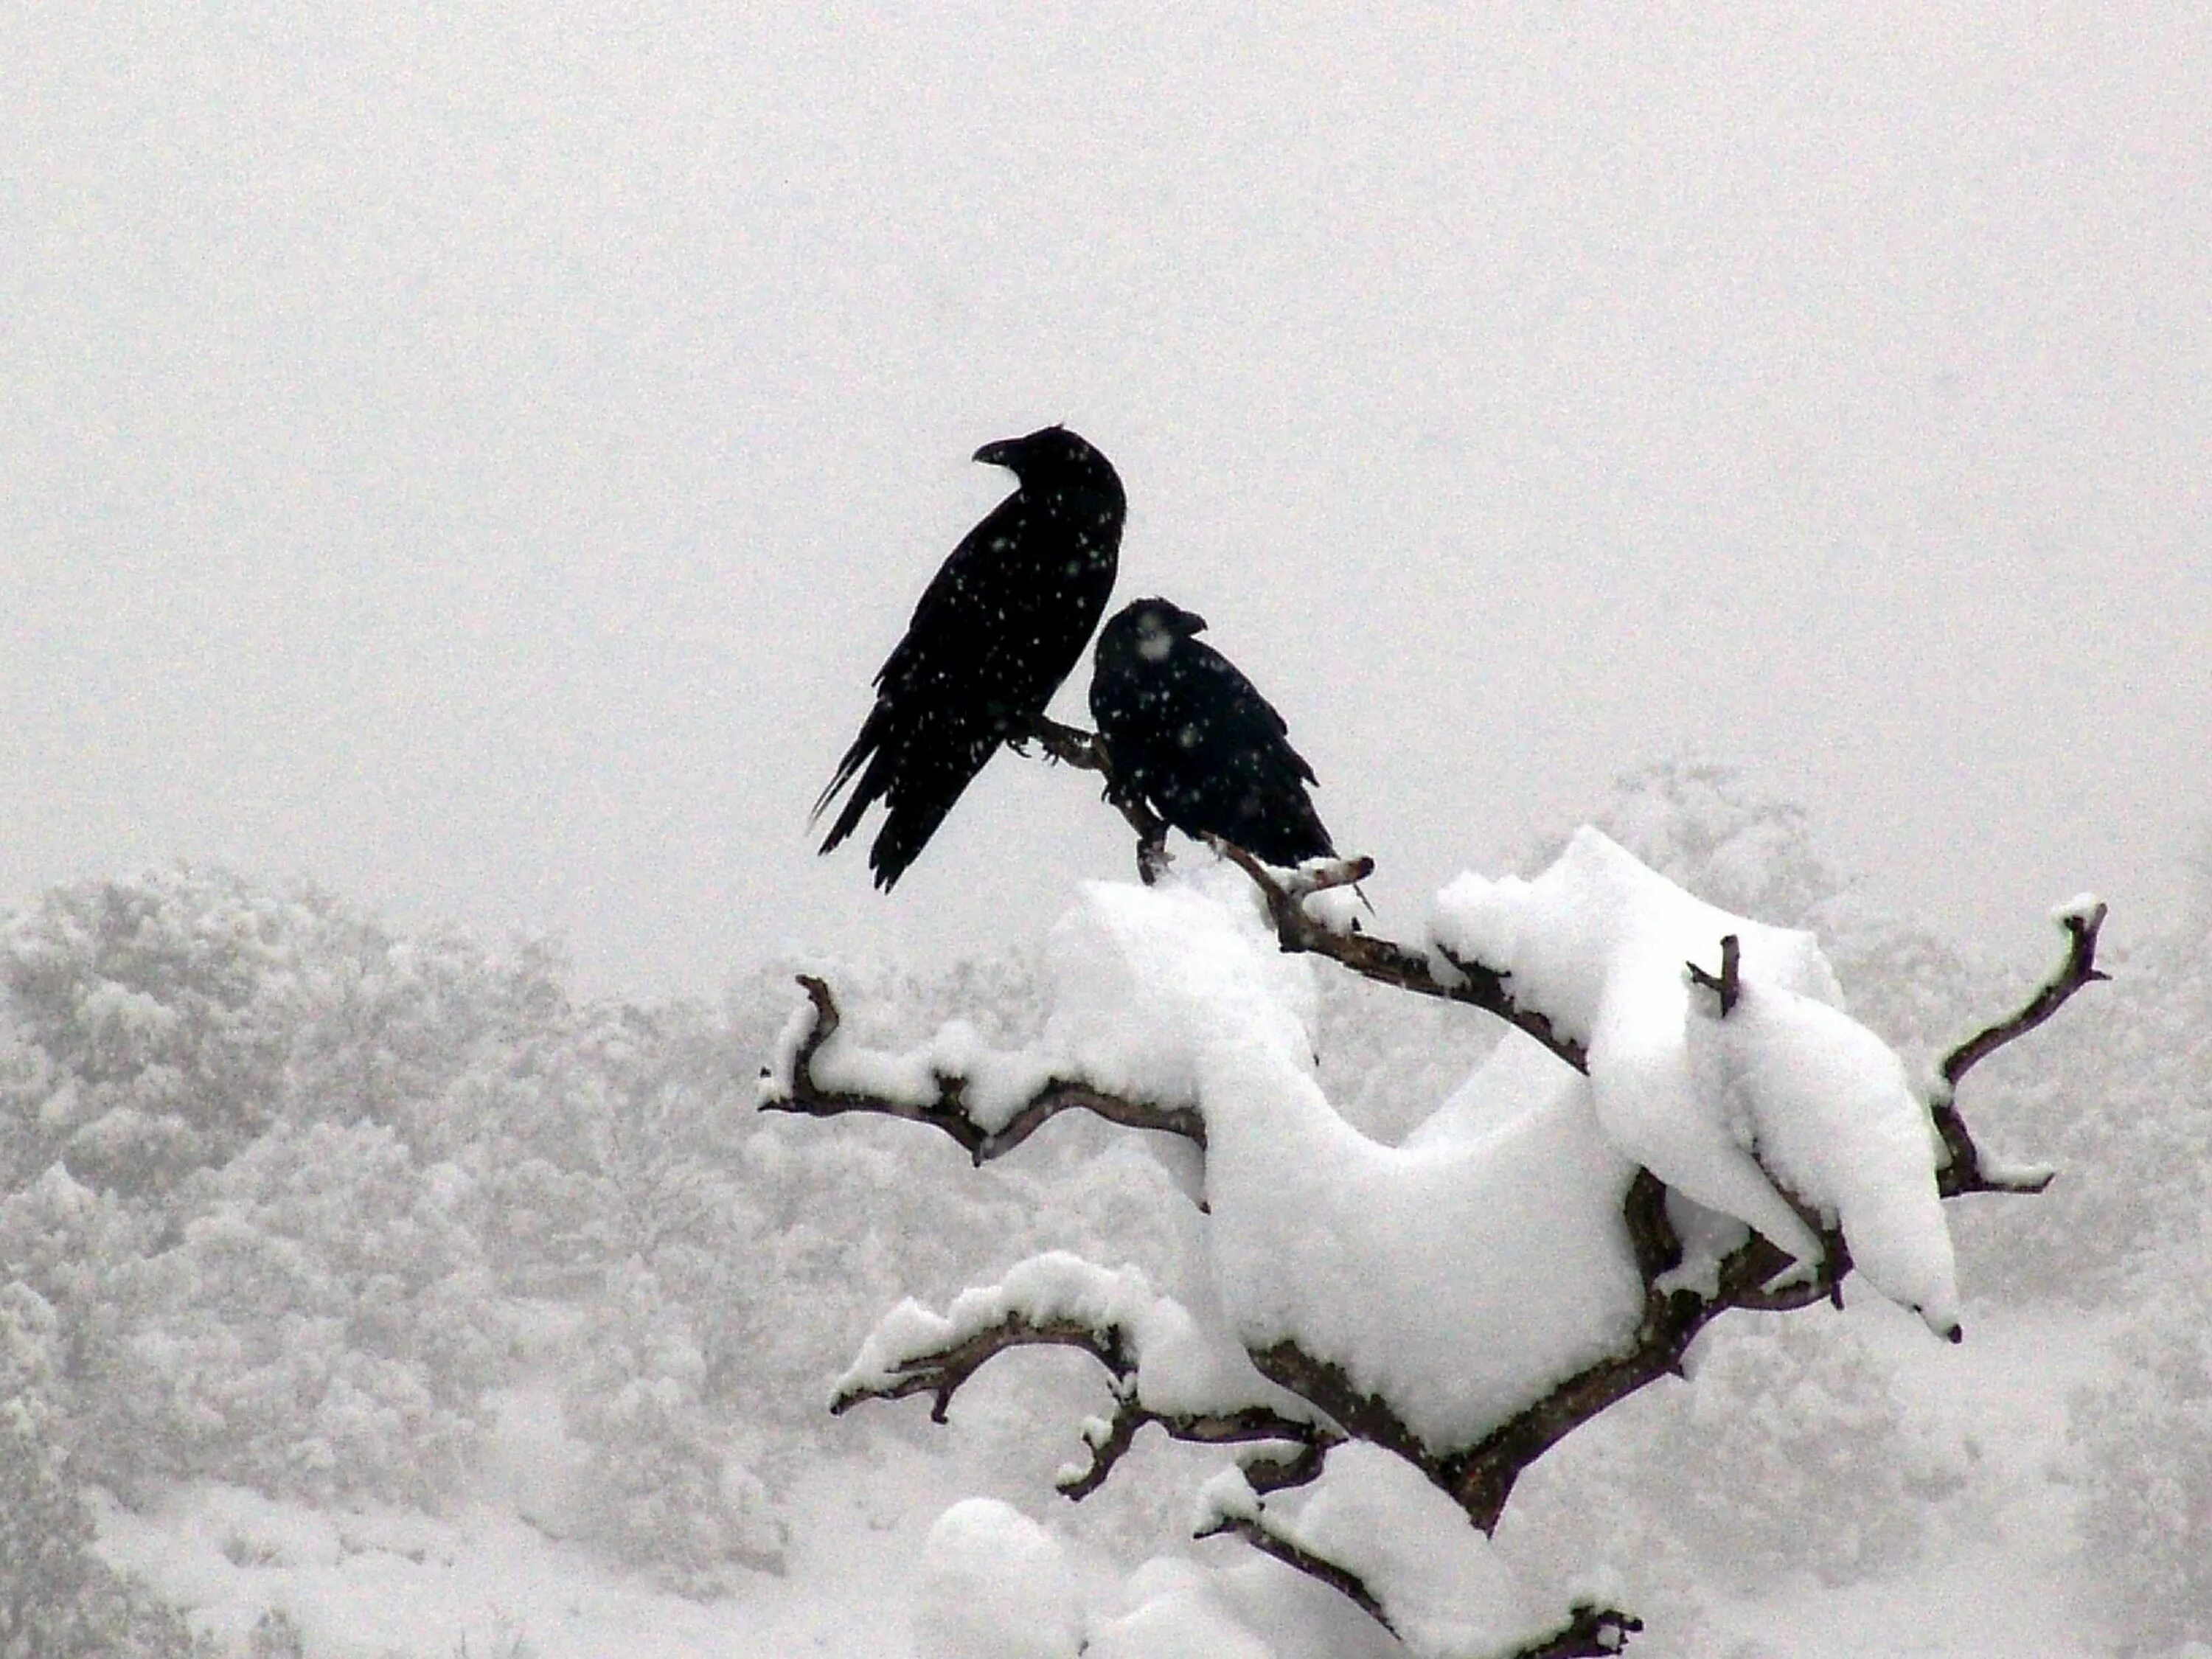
point(1194, 623)
point(1000, 453)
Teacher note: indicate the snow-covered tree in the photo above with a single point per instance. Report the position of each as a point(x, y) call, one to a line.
point(1682, 1121)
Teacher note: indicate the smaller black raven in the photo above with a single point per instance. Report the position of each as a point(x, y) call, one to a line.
point(1189, 737)
point(995, 632)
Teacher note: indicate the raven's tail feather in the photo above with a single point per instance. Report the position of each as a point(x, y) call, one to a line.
point(919, 799)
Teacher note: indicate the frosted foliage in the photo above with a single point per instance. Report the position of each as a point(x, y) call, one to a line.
point(996, 1585)
point(666, 1487)
point(1599, 942)
point(161, 1009)
point(2143, 1441)
point(1790, 1451)
point(1508, 1263)
point(58, 1599)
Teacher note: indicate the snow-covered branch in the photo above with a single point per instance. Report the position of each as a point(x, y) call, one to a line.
point(990, 1103)
point(1370, 1528)
point(1551, 1240)
point(1167, 1366)
point(1384, 961)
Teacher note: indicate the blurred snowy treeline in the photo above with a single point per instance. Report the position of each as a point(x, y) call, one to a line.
point(292, 1201)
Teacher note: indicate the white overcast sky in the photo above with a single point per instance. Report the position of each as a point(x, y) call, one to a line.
point(475, 456)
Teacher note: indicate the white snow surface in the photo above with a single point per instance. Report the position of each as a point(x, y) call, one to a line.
point(1788, 1088)
point(1438, 1580)
point(1458, 1278)
point(996, 1585)
point(1834, 1119)
point(1146, 979)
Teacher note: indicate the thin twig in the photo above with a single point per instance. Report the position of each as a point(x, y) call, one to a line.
point(1727, 986)
point(1964, 1172)
point(940, 1375)
point(1251, 1424)
point(1590, 1632)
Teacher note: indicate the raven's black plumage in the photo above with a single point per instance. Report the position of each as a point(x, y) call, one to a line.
point(1189, 737)
point(997, 630)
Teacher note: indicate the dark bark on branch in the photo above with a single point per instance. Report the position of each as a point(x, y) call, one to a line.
point(1382, 960)
point(1071, 745)
point(1727, 986)
point(1267, 1541)
point(1253, 1423)
point(1591, 1631)
point(948, 1112)
point(1964, 1173)
point(942, 1374)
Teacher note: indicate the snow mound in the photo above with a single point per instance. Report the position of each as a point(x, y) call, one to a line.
point(1788, 1088)
point(996, 1585)
point(1438, 1580)
point(1457, 1280)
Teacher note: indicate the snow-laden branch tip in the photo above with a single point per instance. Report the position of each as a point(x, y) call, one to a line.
point(1372, 1528)
point(989, 1101)
point(1168, 1366)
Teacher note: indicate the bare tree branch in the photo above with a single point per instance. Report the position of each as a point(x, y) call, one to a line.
point(948, 1112)
point(1254, 1423)
point(2080, 968)
point(1964, 1173)
point(942, 1374)
point(1254, 1531)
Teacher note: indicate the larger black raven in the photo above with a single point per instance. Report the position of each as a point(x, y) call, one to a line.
point(996, 631)
point(1191, 737)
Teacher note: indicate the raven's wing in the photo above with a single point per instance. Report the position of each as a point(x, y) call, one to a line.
point(1195, 738)
point(991, 637)
point(943, 639)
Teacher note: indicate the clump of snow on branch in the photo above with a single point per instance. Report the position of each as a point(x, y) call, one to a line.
point(1438, 1582)
point(1182, 1366)
point(1786, 1088)
point(1150, 979)
point(1505, 1260)
point(997, 1080)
